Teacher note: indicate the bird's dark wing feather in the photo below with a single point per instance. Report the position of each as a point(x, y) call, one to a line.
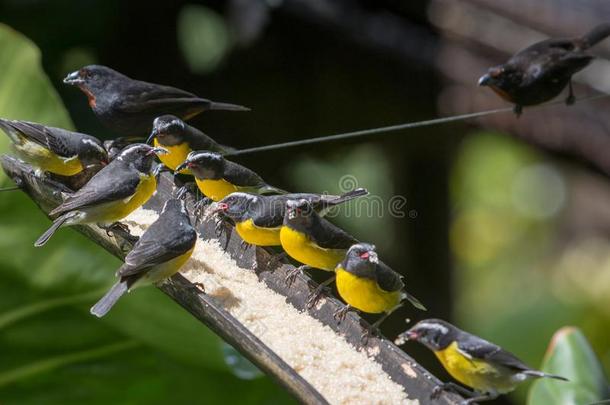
point(483, 350)
point(242, 176)
point(145, 97)
point(388, 279)
point(114, 182)
point(158, 246)
point(328, 236)
point(269, 213)
point(54, 139)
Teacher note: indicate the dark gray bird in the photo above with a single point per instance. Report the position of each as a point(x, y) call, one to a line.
point(161, 251)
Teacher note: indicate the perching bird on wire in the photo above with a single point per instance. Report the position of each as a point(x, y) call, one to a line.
point(180, 139)
point(258, 218)
point(128, 107)
point(161, 251)
point(54, 150)
point(541, 71)
point(111, 194)
point(217, 177)
point(483, 366)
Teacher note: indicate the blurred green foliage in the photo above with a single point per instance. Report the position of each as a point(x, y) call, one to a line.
point(510, 286)
point(569, 355)
point(147, 350)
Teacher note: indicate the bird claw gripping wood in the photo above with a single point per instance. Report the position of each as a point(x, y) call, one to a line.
point(341, 313)
point(292, 274)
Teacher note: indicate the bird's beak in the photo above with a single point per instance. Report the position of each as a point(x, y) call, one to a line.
point(405, 337)
point(73, 78)
point(484, 80)
point(152, 136)
point(182, 166)
point(158, 151)
point(218, 207)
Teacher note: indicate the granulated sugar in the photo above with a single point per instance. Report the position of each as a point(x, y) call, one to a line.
point(340, 372)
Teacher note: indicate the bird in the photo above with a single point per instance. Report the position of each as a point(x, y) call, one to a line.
point(486, 368)
point(369, 285)
point(128, 107)
point(54, 150)
point(116, 145)
point(180, 139)
point(159, 253)
point(111, 194)
point(541, 71)
point(258, 218)
point(313, 241)
point(217, 177)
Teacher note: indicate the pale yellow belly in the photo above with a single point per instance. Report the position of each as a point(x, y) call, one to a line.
point(117, 210)
point(176, 156)
point(301, 248)
point(48, 161)
point(474, 373)
point(258, 236)
point(161, 272)
point(216, 190)
point(364, 294)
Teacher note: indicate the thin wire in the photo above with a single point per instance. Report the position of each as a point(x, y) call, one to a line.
point(393, 128)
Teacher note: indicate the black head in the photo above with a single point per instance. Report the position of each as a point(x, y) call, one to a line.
point(435, 334)
point(503, 77)
point(140, 156)
point(168, 129)
point(92, 153)
point(204, 165)
point(93, 79)
point(235, 205)
point(361, 259)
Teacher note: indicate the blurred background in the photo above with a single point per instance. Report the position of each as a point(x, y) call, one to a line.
point(506, 226)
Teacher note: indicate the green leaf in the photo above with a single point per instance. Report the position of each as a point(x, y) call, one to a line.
point(570, 355)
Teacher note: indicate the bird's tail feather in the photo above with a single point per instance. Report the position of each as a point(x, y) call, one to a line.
point(10, 131)
point(227, 107)
point(104, 305)
point(57, 223)
point(596, 35)
point(540, 374)
point(267, 189)
point(414, 301)
point(350, 195)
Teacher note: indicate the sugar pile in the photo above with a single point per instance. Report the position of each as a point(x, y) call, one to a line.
point(341, 373)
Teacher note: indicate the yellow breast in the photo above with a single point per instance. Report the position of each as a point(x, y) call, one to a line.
point(48, 161)
point(117, 210)
point(216, 190)
point(177, 154)
point(364, 294)
point(300, 247)
point(258, 236)
point(165, 270)
point(474, 373)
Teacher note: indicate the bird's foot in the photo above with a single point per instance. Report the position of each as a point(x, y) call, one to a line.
point(276, 259)
point(570, 99)
point(219, 227)
point(199, 205)
point(367, 333)
point(341, 313)
point(292, 274)
point(121, 230)
point(244, 245)
point(313, 298)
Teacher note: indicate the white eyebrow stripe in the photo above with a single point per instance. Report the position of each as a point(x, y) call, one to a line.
point(94, 144)
point(436, 326)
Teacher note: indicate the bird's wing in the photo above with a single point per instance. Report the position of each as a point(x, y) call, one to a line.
point(54, 139)
point(388, 279)
point(158, 245)
point(269, 213)
point(148, 97)
point(328, 236)
point(474, 347)
point(242, 176)
point(114, 182)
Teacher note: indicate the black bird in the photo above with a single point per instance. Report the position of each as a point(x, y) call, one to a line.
point(541, 71)
point(128, 107)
